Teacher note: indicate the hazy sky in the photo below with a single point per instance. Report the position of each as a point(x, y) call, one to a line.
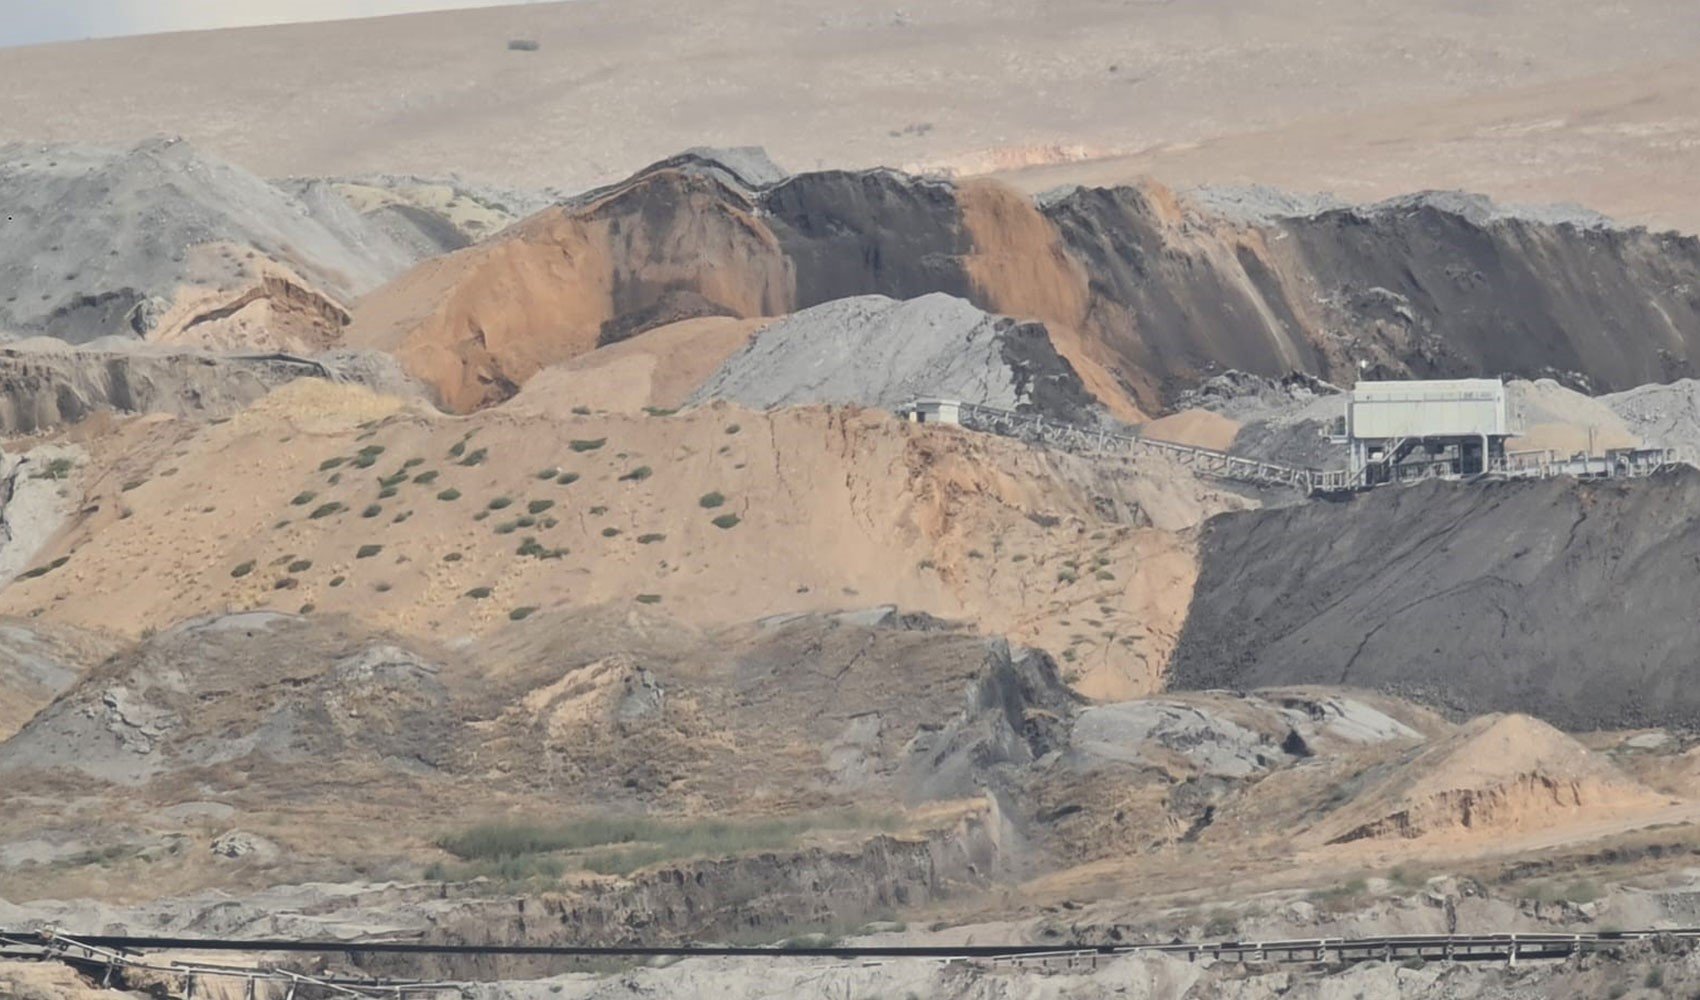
point(25, 22)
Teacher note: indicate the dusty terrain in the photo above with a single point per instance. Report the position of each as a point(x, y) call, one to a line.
point(1566, 102)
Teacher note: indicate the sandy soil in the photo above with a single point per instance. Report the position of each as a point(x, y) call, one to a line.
point(659, 368)
point(1569, 100)
point(824, 510)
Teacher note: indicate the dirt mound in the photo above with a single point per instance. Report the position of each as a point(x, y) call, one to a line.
point(1143, 296)
point(158, 241)
point(1561, 599)
point(657, 369)
point(1496, 775)
point(1664, 416)
point(672, 244)
point(1553, 418)
point(335, 498)
point(875, 351)
point(1198, 428)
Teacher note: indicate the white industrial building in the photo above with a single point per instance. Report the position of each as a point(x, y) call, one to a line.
point(1418, 429)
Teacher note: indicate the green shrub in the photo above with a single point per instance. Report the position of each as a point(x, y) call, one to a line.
point(525, 520)
point(304, 498)
point(373, 450)
point(301, 565)
point(1018, 557)
point(651, 538)
point(538, 506)
point(637, 475)
point(733, 428)
point(649, 598)
point(287, 583)
point(1655, 978)
point(367, 551)
point(548, 522)
point(1105, 574)
point(337, 581)
point(500, 503)
point(583, 411)
point(549, 473)
point(478, 593)
point(365, 461)
point(1066, 576)
point(331, 463)
point(326, 510)
point(567, 478)
point(507, 527)
point(386, 493)
point(519, 614)
point(426, 478)
point(336, 477)
point(243, 569)
point(475, 457)
point(58, 468)
point(393, 479)
point(587, 444)
point(410, 463)
point(711, 500)
point(382, 586)
point(457, 449)
point(372, 510)
point(598, 511)
point(610, 532)
point(404, 515)
point(481, 515)
point(726, 521)
point(660, 411)
point(449, 494)
point(134, 484)
point(453, 557)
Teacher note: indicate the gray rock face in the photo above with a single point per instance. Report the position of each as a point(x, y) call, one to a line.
point(41, 389)
point(1664, 416)
point(876, 351)
point(92, 241)
point(1571, 601)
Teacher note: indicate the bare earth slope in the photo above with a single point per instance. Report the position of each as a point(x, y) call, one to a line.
point(1563, 599)
point(616, 85)
point(333, 498)
point(1144, 297)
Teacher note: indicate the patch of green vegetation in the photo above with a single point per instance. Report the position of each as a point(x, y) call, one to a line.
point(410, 463)
point(336, 477)
point(567, 478)
point(549, 473)
point(651, 538)
point(649, 598)
point(598, 511)
point(711, 500)
point(326, 510)
point(538, 506)
point(365, 461)
point(1343, 896)
point(481, 515)
point(733, 428)
point(583, 411)
point(301, 565)
point(58, 468)
point(726, 521)
point(548, 522)
point(507, 527)
point(386, 493)
point(520, 614)
point(478, 593)
point(304, 498)
point(372, 449)
point(1219, 924)
point(134, 484)
point(452, 557)
point(525, 521)
point(532, 547)
point(331, 463)
point(1066, 576)
point(449, 494)
point(243, 569)
point(661, 411)
point(500, 503)
point(426, 478)
point(393, 480)
point(382, 586)
point(367, 551)
point(976, 554)
point(587, 444)
point(1655, 978)
point(623, 845)
point(1406, 877)
point(457, 449)
point(610, 532)
point(404, 515)
point(1579, 891)
point(475, 457)
point(372, 510)
point(1104, 574)
point(1018, 557)
point(337, 581)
